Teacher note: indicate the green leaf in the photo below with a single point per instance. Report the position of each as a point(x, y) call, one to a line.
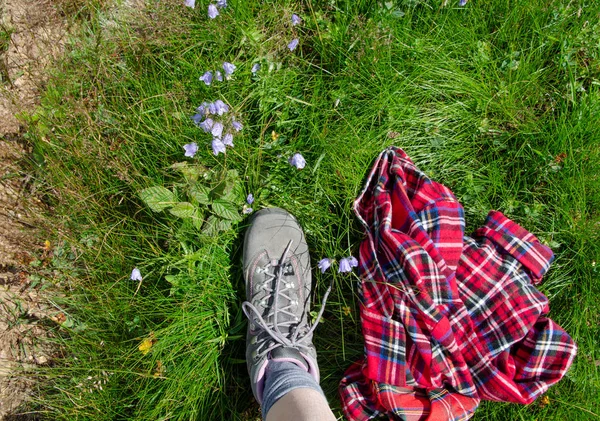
point(226, 210)
point(223, 225)
point(214, 225)
point(68, 323)
point(80, 327)
point(236, 194)
point(210, 228)
point(251, 34)
point(190, 172)
point(157, 198)
point(220, 190)
point(224, 187)
point(200, 193)
point(172, 279)
point(198, 219)
point(183, 210)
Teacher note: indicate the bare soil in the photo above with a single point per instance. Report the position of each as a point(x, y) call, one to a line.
point(37, 35)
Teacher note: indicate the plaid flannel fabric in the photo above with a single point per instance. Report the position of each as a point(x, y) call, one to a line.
point(447, 319)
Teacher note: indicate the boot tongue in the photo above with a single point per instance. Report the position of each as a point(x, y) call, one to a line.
point(291, 355)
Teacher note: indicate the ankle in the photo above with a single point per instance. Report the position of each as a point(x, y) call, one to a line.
point(282, 377)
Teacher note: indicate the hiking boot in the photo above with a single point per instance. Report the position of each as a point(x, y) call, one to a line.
point(278, 284)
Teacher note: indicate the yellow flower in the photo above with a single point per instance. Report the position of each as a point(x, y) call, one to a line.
point(147, 343)
point(347, 310)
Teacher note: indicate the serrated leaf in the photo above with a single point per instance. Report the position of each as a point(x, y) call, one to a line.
point(179, 165)
point(157, 198)
point(253, 35)
point(236, 194)
point(219, 190)
point(226, 210)
point(210, 227)
point(232, 174)
point(191, 173)
point(183, 210)
point(227, 182)
point(223, 225)
point(200, 193)
point(214, 225)
point(198, 219)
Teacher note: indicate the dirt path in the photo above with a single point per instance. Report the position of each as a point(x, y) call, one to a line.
point(34, 33)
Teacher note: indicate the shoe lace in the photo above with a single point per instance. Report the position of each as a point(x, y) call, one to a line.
point(295, 340)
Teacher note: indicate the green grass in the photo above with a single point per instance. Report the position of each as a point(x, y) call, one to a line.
point(498, 100)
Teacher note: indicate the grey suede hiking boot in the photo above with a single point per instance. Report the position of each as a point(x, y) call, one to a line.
point(278, 284)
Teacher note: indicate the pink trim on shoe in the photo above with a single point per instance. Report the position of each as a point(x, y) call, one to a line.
point(292, 360)
point(260, 381)
point(313, 368)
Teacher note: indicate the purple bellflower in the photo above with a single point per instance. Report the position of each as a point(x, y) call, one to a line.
point(344, 266)
point(190, 149)
point(219, 76)
point(229, 68)
point(247, 210)
point(212, 11)
point(197, 118)
point(202, 109)
point(296, 20)
point(255, 67)
point(221, 4)
point(218, 146)
point(228, 140)
point(207, 78)
point(250, 199)
point(353, 262)
point(207, 125)
point(297, 161)
point(237, 125)
point(292, 45)
point(462, 3)
point(190, 3)
point(136, 275)
point(324, 264)
point(220, 107)
point(217, 129)
point(212, 108)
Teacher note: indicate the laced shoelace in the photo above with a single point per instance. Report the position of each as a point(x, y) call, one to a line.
point(295, 341)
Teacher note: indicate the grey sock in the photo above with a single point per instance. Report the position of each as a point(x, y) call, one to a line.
point(281, 377)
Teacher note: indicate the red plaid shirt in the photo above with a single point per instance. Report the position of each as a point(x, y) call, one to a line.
point(447, 319)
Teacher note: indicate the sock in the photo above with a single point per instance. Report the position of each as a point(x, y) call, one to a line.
point(281, 377)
